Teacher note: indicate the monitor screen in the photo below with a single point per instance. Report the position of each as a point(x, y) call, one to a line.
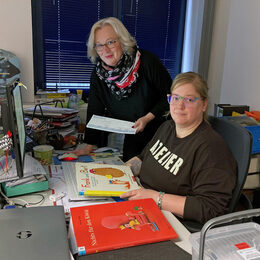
point(13, 121)
point(18, 109)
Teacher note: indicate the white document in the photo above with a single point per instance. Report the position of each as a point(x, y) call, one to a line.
point(111, 125)
point(31, 167)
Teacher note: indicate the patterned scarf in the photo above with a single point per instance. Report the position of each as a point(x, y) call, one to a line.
point(122, 77)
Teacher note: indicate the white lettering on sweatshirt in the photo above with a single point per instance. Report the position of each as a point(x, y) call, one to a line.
point(170, 161)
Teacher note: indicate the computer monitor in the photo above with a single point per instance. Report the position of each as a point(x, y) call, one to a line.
point(13, 121)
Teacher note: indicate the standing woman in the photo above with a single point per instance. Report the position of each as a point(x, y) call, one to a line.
point(127, 83)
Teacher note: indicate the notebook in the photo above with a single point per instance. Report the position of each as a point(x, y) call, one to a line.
point(33, 233)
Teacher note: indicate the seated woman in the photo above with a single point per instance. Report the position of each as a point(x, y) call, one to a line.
point(186, 167)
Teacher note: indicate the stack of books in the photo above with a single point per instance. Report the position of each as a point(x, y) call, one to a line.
point(59, 120)
point(113, 225)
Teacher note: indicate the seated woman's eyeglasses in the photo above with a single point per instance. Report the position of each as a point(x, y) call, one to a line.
point(110, 44)
point(188, 100)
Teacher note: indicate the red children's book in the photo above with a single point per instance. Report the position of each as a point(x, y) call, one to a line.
point(117, 225)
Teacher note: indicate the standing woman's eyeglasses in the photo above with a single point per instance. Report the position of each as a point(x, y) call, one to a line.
point(110, 44)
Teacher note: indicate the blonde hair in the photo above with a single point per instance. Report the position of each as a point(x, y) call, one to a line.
point(127, 41)
point(196, 80)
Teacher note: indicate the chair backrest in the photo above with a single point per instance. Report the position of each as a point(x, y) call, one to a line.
point(239, 141)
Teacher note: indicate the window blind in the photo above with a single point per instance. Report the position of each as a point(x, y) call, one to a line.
point(62, 28)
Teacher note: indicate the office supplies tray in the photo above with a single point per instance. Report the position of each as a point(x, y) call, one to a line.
point(237, 241)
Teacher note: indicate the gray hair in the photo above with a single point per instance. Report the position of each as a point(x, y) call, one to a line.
point(127, 41)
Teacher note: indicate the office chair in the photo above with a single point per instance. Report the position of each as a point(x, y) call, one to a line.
point(239, 141)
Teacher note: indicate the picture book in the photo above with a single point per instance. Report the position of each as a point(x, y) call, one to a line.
point(95, 179)
point(110, 226)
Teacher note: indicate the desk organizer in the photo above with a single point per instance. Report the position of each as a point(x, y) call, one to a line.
point(25, 188)
point(229, 242)
point(253, 129)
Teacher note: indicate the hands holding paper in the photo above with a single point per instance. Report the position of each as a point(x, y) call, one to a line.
point(141, 123)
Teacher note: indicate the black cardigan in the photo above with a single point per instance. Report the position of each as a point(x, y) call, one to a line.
point(148, 95)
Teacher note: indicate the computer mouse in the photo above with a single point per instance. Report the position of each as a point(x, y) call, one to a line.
point(68, 157)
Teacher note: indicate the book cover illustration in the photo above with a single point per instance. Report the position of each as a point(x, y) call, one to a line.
point(117, 225)
point(95, 179)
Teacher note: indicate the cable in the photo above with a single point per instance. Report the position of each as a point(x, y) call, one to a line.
point(5, 197)
point(35, 203)
point(17, 204)
point(3, 171)
point(6, 161)
point(2, 167)
point(26, 203)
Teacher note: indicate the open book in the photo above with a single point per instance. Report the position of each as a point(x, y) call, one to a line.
point(104, 179)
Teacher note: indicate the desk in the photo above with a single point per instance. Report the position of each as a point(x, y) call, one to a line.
point(57, 183)
point(184, 234)
point(253, 178)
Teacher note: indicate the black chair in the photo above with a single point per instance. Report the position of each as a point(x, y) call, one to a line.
point(239, 141)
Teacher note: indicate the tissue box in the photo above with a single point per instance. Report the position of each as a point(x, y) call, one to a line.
point(239, 241)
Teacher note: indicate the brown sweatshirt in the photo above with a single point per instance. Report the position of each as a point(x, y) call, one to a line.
point(199, 166)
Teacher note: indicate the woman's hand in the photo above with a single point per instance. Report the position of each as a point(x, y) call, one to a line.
point(135, 164)
point(141, 194)
point(141, 123)
point(170, 202)
point(83, 151)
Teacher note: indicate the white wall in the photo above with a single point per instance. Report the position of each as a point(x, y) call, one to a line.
point(16, 37)
point(235, 56)
point(234, 60)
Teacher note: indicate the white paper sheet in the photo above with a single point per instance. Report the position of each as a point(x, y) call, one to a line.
point(31, 167)
point(111, 125)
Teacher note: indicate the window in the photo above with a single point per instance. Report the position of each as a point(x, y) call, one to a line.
point(61, 29)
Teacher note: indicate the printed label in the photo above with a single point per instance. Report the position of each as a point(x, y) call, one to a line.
point(243, 245)
point(249, 254)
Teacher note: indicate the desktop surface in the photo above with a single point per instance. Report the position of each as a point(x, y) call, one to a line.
point(177, 249)
point(162, 250)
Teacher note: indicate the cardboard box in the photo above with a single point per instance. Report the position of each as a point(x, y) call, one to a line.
point(227, 109)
